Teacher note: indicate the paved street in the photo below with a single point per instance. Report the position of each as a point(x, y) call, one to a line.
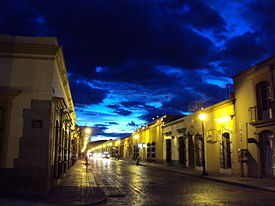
point(111, 182)
point(128, 184)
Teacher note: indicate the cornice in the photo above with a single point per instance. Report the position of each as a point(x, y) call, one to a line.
point(40, 51)
point(24, 56)
point(7, 95)
point(64, 79)
point(21, 48)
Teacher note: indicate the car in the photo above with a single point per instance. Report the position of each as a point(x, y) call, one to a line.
point(105, 155)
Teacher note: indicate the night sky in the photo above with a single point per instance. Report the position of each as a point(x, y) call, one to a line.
point(129, 61)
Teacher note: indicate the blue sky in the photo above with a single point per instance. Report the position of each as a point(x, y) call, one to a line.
point(131, 61)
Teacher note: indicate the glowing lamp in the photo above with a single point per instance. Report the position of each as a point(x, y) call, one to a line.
point(136, 136)
point(202, 116)
point(88, 130)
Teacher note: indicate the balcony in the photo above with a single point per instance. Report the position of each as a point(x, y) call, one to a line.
point(262, 116)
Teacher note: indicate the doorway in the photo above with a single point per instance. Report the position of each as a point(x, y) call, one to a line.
point(198, 149)
point(191, 151)
point(182, 151)
point(226, 162)
point(266, 153)
point(168, 150)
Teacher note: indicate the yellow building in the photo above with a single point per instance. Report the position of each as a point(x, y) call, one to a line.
point(237, 133)
point(254, 92)
point(148, 140)
point(183, 139)
point(37, 117)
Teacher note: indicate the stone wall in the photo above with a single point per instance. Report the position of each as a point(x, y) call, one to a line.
point(32, 168)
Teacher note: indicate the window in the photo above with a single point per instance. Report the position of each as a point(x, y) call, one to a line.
point(263, 100)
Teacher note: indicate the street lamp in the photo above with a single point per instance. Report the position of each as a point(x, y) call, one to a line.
point(202, 117)
point(88, 130)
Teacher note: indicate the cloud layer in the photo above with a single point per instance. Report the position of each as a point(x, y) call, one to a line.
point(131, 61)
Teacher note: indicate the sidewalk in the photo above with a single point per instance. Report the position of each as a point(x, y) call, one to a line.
point(77, 187)
point(264, 184)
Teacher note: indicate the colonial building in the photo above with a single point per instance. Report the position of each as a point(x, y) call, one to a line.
point(237, 134)
point(255, 117)
point(37, 117)
point(183, 139)
point(148, 140)
point(145, 144)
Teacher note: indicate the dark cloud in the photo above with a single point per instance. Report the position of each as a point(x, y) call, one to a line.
point(212, 93)
point(244, 48)
point(132, 124)
point(136, 44)
point(122, 112)
point(195, 13)
point(180, 101)
point(114, 106)
point(104, 33)
point(112, 123)
point(136, 71)
point(99, 130)
point(153, 113)
point(260, 15)
point(129, 104)
point(241, 52)
point(84, 94)
point(21, 18)
point(184, 101)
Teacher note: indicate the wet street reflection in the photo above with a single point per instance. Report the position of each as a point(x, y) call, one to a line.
point(130, 184)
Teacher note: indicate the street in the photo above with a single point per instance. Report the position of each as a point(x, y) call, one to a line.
point(129, 184)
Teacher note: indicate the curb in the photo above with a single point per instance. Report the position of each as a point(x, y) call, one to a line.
point(239, 184)
point(216, 179)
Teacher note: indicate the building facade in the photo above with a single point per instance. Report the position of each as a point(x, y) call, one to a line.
point(37, 118)
point(178, 141)
point(183, 139)
point(237, 134)
point(255, 120)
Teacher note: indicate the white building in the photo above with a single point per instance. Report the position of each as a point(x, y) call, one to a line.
point(37, 118)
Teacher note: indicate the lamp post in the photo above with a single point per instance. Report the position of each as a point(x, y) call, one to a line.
point(202, 117)
point(85, 138)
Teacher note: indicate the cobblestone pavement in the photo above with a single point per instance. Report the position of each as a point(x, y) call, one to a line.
point(110, 182)
point(77, 187)
point(264, 184)
point(162, 185)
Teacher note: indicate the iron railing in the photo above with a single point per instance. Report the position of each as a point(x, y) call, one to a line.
point(258, 113)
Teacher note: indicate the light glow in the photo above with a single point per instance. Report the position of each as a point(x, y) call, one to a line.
point(223, 119)
point(88, 130)
point(202, 116)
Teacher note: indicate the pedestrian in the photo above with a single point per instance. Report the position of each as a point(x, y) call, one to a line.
point(137, 161)
point(86, 159)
